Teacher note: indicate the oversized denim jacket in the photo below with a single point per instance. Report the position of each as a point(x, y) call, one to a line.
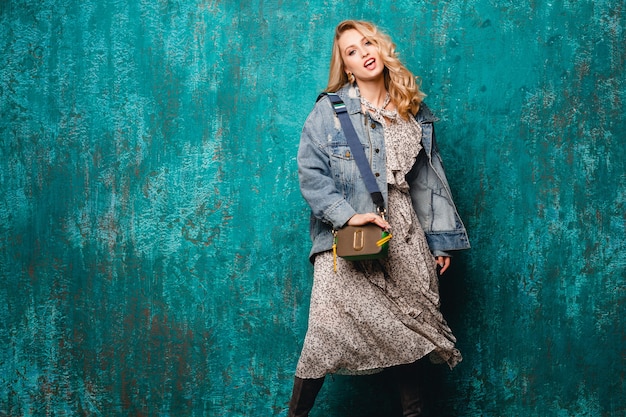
point(332, 185)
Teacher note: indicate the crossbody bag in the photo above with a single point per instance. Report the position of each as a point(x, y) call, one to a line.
point(370, 241)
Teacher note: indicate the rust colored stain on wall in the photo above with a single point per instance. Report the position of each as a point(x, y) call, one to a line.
point(153, 241)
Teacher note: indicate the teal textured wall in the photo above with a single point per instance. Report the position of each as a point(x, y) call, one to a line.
point(153, 239)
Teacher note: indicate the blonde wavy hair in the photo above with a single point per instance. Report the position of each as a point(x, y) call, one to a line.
point(402, 85)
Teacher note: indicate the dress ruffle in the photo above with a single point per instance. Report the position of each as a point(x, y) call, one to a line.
point(402, 142)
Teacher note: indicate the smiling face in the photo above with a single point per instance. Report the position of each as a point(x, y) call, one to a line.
point(360, 56)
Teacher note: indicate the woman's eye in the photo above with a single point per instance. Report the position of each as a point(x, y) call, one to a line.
point(351, 52)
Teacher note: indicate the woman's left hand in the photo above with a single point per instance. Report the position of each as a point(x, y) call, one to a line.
point(443, 262)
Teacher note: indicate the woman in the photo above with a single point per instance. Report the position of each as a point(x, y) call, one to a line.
point(384, 314)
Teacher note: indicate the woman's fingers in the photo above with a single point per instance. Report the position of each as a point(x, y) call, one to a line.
point(443, 262)
point(361, 219)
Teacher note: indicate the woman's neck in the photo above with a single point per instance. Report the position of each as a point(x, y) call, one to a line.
point(373, 91)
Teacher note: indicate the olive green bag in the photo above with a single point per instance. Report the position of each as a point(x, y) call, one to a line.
point(357, 243)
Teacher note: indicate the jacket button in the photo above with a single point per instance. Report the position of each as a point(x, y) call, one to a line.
point(373, 125)
point(377, 174)
point(347, 154)
point(377, 150)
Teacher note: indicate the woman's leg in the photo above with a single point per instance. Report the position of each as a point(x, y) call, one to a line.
point(407, 378)
point(303, 396)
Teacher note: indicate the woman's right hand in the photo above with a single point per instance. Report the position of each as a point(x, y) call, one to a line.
point(362, 219)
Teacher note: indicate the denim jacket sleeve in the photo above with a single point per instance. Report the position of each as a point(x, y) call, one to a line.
point(316, 181)
point(431, 195)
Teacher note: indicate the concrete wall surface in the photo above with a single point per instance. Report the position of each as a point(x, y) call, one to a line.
point(153, 239)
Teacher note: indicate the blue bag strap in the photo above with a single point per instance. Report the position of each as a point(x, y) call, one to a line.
point(357, 150)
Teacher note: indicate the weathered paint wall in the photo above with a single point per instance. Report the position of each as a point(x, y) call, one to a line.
point(153, 238)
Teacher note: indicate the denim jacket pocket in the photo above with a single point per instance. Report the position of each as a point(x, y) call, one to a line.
point(343, 166)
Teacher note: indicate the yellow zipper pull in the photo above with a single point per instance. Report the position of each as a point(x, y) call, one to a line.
point(335, 251)
point(384, 240)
